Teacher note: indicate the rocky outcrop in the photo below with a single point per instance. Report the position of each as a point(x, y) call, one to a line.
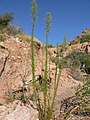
point(18, 111)
point(15, 65)
point(4, 53)
point(84, 32)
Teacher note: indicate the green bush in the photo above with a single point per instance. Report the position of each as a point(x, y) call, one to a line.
point(75, 58)
point(83, 94)
point(85, 38)
point(6, 27)
point(5, 19)
point(60, 45)
point(49, 45)
point(72, 60)
point(78, 62)
point(80, 103)
point(12, 30)
point(2, 37)
point(73, 42)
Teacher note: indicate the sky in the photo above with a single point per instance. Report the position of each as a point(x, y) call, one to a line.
point(70, 17)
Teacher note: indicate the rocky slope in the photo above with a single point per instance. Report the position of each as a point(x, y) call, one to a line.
point(15, 66)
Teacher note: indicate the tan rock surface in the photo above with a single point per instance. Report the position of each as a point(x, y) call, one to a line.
point(18, 111)
point(15, 64)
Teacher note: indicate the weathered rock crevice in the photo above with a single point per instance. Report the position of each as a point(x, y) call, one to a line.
point(3, 67)
point(4, 54)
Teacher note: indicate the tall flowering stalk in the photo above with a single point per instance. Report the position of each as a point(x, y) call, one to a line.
point(48, 26)
point(45, 107)
point(34, 11)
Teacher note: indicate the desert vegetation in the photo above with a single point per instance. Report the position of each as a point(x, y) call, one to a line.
point(83, 39)
point(6, 27)
point(45, 108)
point(77, 61)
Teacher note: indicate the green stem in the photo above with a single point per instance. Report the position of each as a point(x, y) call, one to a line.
point(55, 91)
point(46, 77)
point(33, 64)
point(36, 95)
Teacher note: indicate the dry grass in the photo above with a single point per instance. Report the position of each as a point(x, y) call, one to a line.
point(27, 38)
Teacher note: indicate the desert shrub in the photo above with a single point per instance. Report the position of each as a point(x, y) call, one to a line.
point(6, 27)
point(13, 30)
point(5, 19)
point(19, 94)
point(80, 103)
point(85, 38)
point(59, 45)
point(50, 46)
point(78, 62)
point(73, 42)
point(72, 60)
point(2, 37)
point(75, 59)
point(83, 96)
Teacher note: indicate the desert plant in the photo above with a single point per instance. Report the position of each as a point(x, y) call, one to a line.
point(2, 37)
point(83, 94)
point(50, 46)
point(75, 58)
point(5, 19)
point(78, 61)
point(80, 103)
point(73, 42)
point(10, 92)
point(34, 11)
point(48, 21)
point(19, 94)
point(72, 60)
point(13, 30)
point(59, 45)
point(45, 108)
point(85, 38)
point(6, 26)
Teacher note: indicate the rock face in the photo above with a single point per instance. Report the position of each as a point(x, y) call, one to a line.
point(15, 65)
point(80, 46)
point(84, 32)
point(18, 111)
point(4, 53)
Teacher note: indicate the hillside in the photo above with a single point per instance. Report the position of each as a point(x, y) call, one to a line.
point(15, 71)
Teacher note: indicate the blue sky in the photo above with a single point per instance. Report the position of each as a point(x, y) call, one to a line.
point(70, 17)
